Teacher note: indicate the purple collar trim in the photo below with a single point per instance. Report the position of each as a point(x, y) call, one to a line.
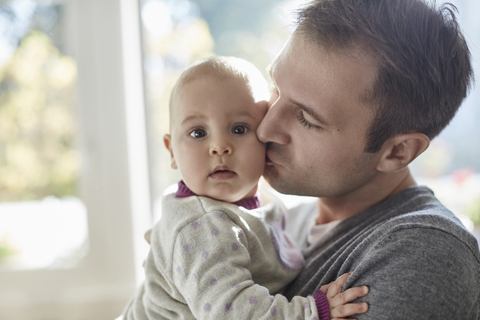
point(249, 203)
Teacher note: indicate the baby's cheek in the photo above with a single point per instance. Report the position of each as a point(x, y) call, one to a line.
point(192, 175)
point(256, 160)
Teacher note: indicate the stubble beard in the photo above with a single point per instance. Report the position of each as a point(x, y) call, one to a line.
point(283, 179)
point(287, 181)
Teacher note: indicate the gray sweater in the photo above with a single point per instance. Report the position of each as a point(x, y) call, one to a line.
point(415, 256)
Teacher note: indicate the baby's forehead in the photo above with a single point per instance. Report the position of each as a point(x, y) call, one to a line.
point(189, 96)
point(218, 76)
point(210, 73)
point(210, 79)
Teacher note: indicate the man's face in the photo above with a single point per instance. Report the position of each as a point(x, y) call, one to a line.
point(317, 123)
point(213, 137)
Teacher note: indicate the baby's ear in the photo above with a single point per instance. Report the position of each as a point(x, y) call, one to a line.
point(167, 140)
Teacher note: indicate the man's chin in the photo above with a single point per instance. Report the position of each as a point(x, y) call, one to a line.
point(284, 184)
point(276, 181)
point(270, 173)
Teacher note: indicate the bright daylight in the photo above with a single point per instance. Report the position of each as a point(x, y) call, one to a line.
point(92, 148)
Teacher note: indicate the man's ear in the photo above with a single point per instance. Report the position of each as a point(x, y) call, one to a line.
point(399, 151)
point(167, 140)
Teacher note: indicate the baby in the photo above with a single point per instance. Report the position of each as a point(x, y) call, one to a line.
point(216, 253)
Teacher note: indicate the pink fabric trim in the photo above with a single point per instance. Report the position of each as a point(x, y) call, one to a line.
point(183, 191)
point(250, 203)
point(323, 308)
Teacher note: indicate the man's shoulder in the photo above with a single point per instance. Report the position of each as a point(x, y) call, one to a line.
point(424, 257)
point(420, 271)
point(418, 209)
point(407, 249)
point(410, 249)
point(410, 214)
point(413, 207)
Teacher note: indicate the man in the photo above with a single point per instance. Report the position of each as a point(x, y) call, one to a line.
point(359, 90)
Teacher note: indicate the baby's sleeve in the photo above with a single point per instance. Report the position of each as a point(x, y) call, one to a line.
point(210, 269)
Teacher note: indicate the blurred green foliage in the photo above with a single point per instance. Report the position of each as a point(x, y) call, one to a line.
point(7, 249)
point(37, 125)
point(240, 28)
point(473, 211)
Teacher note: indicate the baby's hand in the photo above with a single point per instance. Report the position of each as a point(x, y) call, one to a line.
point(340, 308)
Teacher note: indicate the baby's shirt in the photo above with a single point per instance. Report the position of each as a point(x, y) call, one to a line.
point(214, 260)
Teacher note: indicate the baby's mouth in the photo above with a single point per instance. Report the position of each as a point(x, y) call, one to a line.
point(222, 172)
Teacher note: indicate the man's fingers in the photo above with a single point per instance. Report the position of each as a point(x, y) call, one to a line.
point(336, 286)
point(147, 235)
point(348, 310)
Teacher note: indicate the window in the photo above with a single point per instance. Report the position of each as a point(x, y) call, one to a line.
point(85, 110)
point(39, 160)
point(100, 189)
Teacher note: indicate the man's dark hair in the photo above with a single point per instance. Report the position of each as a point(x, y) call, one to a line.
point(424, 69)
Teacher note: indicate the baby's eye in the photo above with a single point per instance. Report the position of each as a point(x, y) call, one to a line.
point(198, 133)
point(239, 129)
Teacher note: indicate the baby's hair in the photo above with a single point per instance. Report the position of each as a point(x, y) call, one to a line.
point(224, 67)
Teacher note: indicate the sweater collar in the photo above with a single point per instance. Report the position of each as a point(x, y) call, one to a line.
point(250, 203)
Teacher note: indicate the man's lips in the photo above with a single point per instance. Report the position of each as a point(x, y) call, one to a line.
point(222, 172)
point(268, 160)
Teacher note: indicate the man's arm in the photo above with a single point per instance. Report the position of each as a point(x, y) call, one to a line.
point(419, 273)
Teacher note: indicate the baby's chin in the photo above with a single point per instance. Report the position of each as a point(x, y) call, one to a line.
point(230, 191)
point(232, 197)
point(226, 198)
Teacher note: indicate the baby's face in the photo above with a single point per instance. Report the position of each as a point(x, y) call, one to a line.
point(213, 138)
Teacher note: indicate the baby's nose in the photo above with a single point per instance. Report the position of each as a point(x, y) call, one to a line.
point(221, 149)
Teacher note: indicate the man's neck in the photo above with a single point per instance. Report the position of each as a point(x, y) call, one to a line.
point(345, 206)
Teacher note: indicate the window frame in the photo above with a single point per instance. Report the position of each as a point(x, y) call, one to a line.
point(104, 38)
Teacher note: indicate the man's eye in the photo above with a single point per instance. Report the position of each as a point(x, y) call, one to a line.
point(239, 129)
point(198, 133)
point(306, 123)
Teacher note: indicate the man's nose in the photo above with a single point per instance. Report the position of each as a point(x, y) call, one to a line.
point(275, 125)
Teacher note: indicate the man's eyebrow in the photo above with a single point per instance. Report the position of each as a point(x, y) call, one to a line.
point(310, 112)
